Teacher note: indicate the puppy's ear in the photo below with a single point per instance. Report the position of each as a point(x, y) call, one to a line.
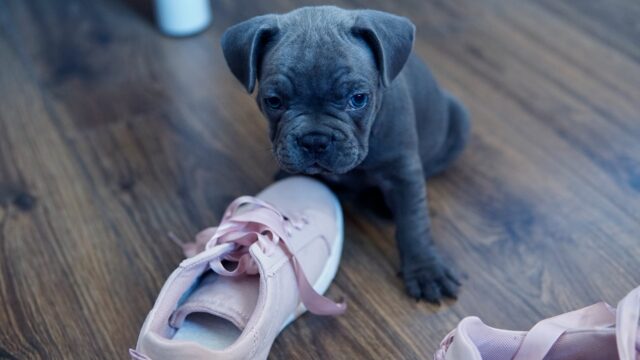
point(243, 46)
point(389, 36)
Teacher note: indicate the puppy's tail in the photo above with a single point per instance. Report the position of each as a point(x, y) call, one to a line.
point(457, 136)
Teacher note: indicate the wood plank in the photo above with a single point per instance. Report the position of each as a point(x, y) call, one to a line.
point(613, 23)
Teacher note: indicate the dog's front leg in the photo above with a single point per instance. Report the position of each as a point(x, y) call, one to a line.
point(424, 273)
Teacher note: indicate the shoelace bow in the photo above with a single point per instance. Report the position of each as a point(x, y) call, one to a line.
point(263, 224)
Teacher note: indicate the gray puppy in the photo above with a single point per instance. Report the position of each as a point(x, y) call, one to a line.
point(347, 101)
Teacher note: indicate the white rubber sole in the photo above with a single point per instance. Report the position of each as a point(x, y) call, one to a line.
point(330, 269)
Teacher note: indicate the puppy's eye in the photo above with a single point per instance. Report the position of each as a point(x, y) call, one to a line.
point(273, 102)
point(358, 101)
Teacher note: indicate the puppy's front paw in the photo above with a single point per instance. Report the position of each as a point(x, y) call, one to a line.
point(429, 279)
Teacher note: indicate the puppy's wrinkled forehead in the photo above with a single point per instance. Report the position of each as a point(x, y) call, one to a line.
point(310, 19)
point(316, 44)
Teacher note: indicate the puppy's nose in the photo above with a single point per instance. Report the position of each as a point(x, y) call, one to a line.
point(314, 142)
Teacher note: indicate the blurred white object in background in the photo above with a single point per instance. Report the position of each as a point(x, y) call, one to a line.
point(182, 17)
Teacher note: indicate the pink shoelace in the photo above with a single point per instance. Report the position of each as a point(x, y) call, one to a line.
point(260, 223)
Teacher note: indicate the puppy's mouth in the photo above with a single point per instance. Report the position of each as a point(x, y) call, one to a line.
point(316, 169)
point(310, 168)
point(297, 160)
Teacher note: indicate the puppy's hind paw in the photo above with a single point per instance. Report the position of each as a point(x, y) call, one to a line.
point(430, 281)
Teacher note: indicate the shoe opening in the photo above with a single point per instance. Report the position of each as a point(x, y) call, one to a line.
point(210, 331)
point(216, 310)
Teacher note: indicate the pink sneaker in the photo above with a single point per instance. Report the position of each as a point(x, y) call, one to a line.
point(597, 332)
point(247, 279)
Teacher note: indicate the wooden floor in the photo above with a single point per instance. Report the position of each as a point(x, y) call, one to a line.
point(112, 135)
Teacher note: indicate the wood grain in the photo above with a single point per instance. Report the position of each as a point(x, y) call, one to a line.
point(112, 135)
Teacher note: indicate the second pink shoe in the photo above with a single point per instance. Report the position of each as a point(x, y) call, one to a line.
point(269, 260)
point(596, 332)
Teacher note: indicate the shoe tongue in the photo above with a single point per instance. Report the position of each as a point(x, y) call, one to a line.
point(231, 298)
